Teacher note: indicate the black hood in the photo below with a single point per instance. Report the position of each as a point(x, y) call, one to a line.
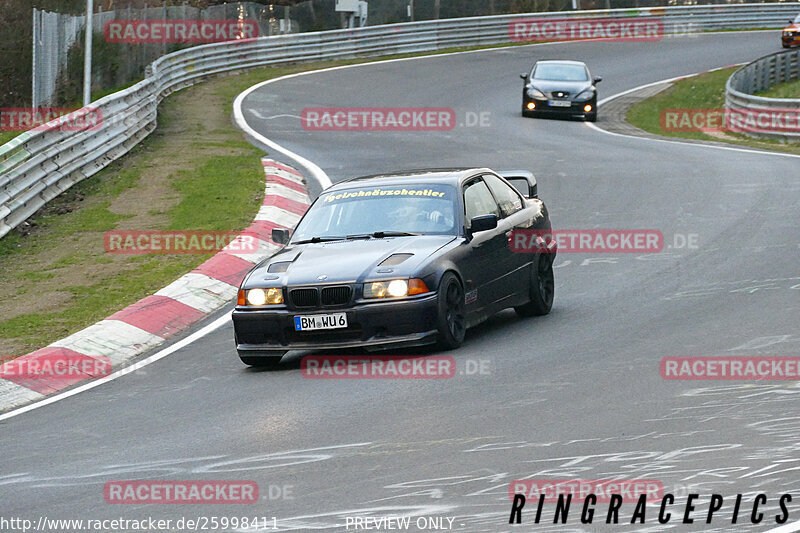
point(348, 261)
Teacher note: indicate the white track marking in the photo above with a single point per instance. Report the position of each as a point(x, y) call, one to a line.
point(320, 175)
point(218, 323)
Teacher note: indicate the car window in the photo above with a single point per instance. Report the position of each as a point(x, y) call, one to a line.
point(413, 208)
point(506, 196)
point(560, 72)
point(479, 201)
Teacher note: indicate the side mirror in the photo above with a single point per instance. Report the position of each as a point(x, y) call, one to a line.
point(483, 223)
point(281, 235)
point(597, 79)
point(522, 180)
point(524, 76)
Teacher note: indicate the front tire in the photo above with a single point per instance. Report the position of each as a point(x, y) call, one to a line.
point(451, 315)
point(592, 117)
point(542, 287)
point(261, 361)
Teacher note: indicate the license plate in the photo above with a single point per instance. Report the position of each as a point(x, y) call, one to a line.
point(559, 103)
point(313, 322)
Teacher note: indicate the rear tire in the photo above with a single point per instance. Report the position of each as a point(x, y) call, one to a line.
point(451, 315)
point(261, 361)
point(542, 288)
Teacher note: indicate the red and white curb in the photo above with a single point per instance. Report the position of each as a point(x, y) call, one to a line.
point(154, 319)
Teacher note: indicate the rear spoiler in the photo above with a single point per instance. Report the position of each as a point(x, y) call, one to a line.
point(522, 180)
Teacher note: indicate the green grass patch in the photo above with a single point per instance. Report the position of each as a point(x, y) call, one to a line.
point(705, 91)
point(201, 187)
point(783, 90)
point(6, 136)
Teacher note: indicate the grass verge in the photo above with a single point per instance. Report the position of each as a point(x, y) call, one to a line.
point(783, 90)
point(705, 91)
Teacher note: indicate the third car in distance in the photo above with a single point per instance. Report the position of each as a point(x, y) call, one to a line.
point(791, 34)
point(560, 88)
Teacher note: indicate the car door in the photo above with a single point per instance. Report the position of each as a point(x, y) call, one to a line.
point(515, 278)
point(485, 247)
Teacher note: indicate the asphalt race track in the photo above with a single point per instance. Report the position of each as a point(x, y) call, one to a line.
point(574, 394)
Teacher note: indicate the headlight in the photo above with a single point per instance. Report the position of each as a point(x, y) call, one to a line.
point(259, 297)
point(396, 288)
point(535, 93)
point(584, 95)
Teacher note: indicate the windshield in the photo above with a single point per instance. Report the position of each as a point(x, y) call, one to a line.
point(418, 209)
point(560, 72)
point(797, 19)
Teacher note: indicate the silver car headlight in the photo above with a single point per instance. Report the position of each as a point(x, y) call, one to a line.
point(533, 92)
point(584, 95)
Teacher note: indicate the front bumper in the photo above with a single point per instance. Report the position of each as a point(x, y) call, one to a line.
point(544, 108)
point(378, 325)
point(790, 40)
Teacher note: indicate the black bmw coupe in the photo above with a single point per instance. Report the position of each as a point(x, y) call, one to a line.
point(393, 260)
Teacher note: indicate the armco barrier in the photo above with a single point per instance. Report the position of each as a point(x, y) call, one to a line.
point(780, 117)
point(39, 165)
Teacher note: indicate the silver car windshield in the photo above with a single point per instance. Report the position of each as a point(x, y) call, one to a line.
point(412, 208)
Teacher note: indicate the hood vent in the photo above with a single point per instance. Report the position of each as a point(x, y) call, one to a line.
point(394, 260)
point(277, 268)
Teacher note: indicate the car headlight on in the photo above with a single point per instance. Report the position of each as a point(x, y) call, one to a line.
point(259, 297)
point(584, 95)
point(396, 288)
point(533, 92)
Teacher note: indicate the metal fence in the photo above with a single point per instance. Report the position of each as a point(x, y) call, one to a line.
point(757, 116)
point(38, 165)
point(55, 33)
